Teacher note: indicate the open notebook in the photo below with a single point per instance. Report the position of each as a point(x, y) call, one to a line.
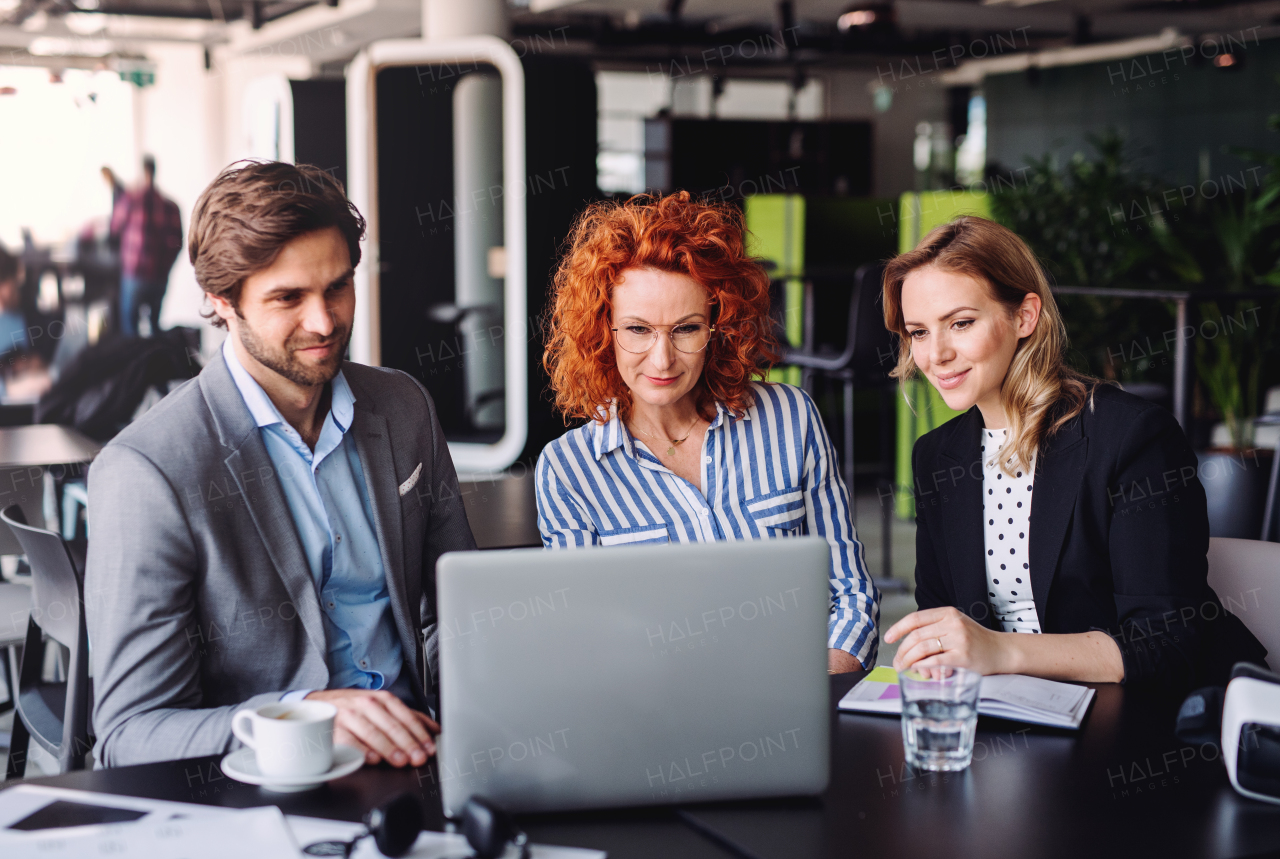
point(1005, 696)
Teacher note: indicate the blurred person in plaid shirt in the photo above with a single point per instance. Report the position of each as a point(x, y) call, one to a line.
point(148, 227)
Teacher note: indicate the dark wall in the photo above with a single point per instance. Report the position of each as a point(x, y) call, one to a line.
point(320, 125)
point(415, 182)
point(560, 156)
point(738, 158)
point(1173, 108)
point(415, 220)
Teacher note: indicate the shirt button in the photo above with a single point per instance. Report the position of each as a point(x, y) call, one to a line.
point(337, 538)
point(331, 605)
point(706, 514)
point(364, 663)
point(707, 460)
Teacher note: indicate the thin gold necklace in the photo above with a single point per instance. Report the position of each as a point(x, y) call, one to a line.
point(671, 451)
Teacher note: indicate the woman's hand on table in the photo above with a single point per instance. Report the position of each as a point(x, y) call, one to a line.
point(938, 637)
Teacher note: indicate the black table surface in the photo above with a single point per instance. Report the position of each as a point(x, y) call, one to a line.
point(1122, 786)
point(503, 512)
point(44, 444)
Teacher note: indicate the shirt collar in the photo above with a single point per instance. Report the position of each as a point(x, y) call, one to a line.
point(613, 433)
point(341, 401)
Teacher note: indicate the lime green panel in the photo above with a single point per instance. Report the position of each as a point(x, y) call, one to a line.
point(920, 213)
point(784, 375)
point(775, 226)
point(775, 232)
point(920, 410)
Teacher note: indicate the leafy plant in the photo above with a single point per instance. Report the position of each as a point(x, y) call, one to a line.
point(1246, 236)
point(1099, 221)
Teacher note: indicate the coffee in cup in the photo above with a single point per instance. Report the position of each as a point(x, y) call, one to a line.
point(289, 739)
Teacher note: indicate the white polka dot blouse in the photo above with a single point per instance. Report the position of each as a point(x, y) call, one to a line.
point(1006, 510)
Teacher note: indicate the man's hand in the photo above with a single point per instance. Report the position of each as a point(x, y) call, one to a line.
point(841, 662)
point(381, 726)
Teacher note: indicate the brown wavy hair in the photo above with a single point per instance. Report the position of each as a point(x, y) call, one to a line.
point(675, 234)
point(1040, 392)
point(251, 211)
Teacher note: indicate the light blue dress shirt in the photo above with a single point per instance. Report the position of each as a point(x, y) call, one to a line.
point(13, 331)
point(327, 496)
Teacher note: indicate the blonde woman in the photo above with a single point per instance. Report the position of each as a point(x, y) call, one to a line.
point(1061, 527)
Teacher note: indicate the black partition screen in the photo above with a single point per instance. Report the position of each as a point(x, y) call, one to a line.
point(417, 220)
point(416, 229)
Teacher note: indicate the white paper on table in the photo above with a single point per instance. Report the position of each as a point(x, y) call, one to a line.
point(22, 800)
point(430, 845)
point(247, 834)
point(1034, 693)
point(1007, 696)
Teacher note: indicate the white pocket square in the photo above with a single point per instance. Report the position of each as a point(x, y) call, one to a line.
point(412, 481)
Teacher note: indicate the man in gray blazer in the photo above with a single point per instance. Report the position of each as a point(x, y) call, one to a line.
point(270, 530)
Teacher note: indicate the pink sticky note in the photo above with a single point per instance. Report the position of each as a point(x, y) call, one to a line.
point(893, 691)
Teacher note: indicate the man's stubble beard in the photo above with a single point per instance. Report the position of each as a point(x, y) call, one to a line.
point(284, 363)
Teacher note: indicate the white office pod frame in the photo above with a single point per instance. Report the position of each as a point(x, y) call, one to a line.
point(362, 149)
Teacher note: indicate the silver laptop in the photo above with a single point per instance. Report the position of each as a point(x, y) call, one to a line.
point(634, 676)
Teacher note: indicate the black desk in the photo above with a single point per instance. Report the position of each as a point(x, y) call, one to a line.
point(44, 444)
point(1122, 787)
point(503, 512)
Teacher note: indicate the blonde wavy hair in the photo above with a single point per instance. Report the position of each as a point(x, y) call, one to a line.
point(1040, 392)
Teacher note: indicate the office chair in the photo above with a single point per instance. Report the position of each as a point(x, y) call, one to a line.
point(15, 609)
point(870, 352)
point(53, 714)
point(1244, 574)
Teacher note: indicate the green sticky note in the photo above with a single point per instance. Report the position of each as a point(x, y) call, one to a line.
point(882, 674)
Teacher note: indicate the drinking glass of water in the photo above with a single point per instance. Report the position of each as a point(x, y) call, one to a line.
point(939, 717)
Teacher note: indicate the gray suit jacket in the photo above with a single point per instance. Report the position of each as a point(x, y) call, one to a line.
point(198, 597)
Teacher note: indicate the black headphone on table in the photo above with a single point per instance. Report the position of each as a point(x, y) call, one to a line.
point(394, 826)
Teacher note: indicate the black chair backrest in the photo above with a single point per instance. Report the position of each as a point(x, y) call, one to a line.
point(875, 348)
point(57, 610)
point(56, 602)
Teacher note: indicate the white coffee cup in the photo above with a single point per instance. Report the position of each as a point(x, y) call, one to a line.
point(289, 739)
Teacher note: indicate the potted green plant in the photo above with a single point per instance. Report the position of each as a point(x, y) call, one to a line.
point(1237, 255)
point(1099, 221)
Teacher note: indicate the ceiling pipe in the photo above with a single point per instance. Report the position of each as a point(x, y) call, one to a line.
point(972, 72)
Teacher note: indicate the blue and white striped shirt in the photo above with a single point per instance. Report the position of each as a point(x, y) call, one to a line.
point(768, 473)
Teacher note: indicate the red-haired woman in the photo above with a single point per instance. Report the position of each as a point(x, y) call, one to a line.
point(1061, 530)
point(659, 324)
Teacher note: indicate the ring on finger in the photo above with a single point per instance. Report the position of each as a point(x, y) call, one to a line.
point(940, 647)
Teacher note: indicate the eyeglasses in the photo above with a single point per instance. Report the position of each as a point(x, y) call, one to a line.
point(688, 337)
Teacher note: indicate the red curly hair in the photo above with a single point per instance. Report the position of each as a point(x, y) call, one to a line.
point(672, 234)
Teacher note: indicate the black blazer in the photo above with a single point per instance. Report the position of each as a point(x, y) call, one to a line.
point(1118, 540)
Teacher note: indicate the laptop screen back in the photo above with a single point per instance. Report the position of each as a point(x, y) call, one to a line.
point(634, 675)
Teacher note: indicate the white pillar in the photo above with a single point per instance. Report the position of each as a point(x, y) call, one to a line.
point(451, 19)
point(477, 189)
point(478, 192)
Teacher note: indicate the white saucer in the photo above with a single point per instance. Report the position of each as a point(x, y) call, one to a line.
point(242, 765)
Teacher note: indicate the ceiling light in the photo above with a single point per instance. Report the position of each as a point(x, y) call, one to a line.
point(47, 46)
point(856, 18)
point(83, 23)
point(36, 22)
